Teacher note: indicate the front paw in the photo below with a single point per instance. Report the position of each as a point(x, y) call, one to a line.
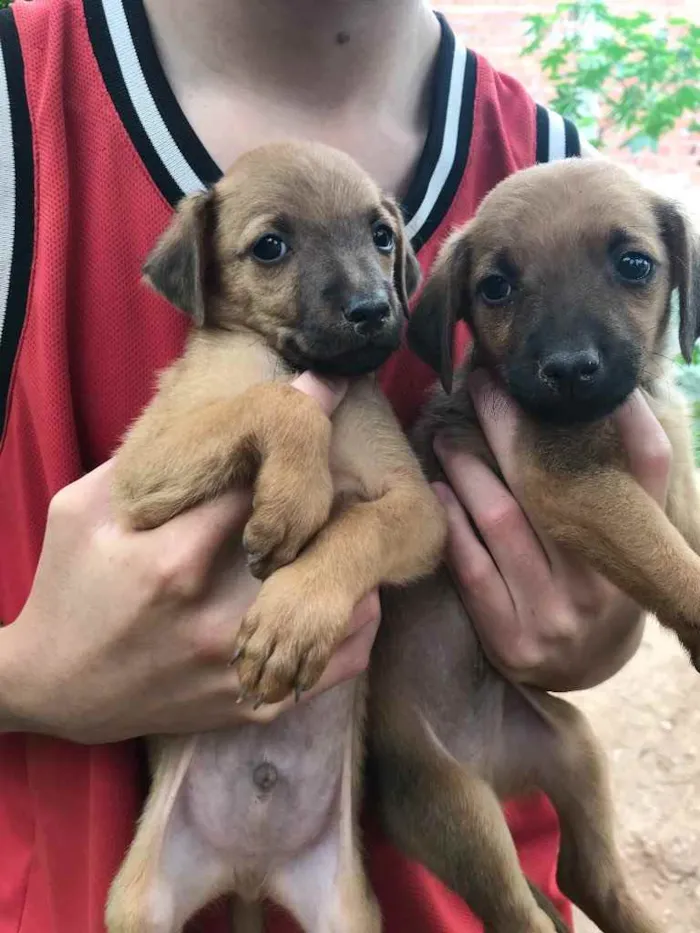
point(288, 636)
point(286, 515)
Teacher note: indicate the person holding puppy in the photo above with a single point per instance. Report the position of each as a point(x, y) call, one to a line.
point(111, 111)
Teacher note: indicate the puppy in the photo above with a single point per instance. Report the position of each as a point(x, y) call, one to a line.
point(564, 278)
point(293, 261)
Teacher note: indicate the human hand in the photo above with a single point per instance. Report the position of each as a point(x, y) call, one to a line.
point(130, 633)
point(544, 616)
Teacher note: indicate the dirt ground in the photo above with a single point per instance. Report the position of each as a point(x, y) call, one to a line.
point(648, 718)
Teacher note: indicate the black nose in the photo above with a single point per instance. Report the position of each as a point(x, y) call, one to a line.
point(368, 314)
point(570, 370)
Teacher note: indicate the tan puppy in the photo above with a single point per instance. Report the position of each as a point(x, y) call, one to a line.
point(293, 261)
point(565, 279)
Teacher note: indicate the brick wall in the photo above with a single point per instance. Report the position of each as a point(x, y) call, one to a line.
point(495, 30)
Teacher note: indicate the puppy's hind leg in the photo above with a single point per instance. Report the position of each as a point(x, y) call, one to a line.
point(449, 819)
point(324, 891)
point(325, 888)
point(169, 872)
point(570, 769)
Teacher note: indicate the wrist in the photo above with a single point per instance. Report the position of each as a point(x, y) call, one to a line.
point(16, 676)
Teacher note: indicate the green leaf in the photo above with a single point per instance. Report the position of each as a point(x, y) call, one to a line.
point(640, 73)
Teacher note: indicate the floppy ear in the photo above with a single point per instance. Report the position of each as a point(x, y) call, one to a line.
point(443, 301)
point(683, 248)
point(407, 274)
point(177, 266)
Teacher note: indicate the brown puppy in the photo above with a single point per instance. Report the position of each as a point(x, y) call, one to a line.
point(565, 279)
point(293, 261)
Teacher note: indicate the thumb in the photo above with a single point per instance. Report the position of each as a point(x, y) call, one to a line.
point(329, 393)
point(647, 445)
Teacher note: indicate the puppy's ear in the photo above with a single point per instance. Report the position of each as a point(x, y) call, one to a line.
point(683, 248)
point(407, 274)
point(177, 266)
point(443, 301)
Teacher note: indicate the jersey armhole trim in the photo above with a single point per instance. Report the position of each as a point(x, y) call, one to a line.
point(556, 136)
point(16, 204)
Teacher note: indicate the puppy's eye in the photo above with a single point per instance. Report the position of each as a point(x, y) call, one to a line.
point(383, 237)
point(495, 289)
point(634, 267)
point(270, 248)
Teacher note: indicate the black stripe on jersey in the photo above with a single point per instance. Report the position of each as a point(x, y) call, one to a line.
point(542, 134)
point(21, 251)
point(573, 141)
point(112, 76)
point(179, 126)
point(189, 159)
point(438, 118)
point(459, 164)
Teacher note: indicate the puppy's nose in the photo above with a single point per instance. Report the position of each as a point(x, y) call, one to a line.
point(570, 370)
point(368, 314)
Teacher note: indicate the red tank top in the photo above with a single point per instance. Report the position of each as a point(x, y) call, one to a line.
point(94, 153)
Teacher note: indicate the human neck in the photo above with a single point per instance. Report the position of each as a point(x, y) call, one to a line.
point(321, 54)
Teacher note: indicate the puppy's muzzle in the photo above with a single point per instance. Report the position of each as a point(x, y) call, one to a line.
point(572, 374)
point(368, 315)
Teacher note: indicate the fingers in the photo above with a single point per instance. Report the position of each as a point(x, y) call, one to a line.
point(646, 442)
point(329, 393)
point(200, 533)
point(647, 445)
point(352, 656)
point(349, 661)
point(471, 564)
point(509, 643)
point(367, 612)
point(498, 417)
point(502, 524)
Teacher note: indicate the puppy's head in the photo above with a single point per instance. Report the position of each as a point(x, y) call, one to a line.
point(564, 277)
point(298, 244)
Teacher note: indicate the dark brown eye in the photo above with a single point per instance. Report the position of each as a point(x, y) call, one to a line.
point(495, 289)
point(383, 237)
point(634, 267)
point(270, 248)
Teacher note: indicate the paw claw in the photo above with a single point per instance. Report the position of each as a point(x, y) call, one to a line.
point(237, 655)
point(287, 638)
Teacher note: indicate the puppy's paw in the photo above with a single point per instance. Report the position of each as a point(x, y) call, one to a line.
point(287, 512)
point(288, 637)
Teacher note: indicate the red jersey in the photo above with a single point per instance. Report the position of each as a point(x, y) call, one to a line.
point(94, 154)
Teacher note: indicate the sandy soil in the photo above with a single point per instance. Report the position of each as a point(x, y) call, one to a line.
point(648, 718)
